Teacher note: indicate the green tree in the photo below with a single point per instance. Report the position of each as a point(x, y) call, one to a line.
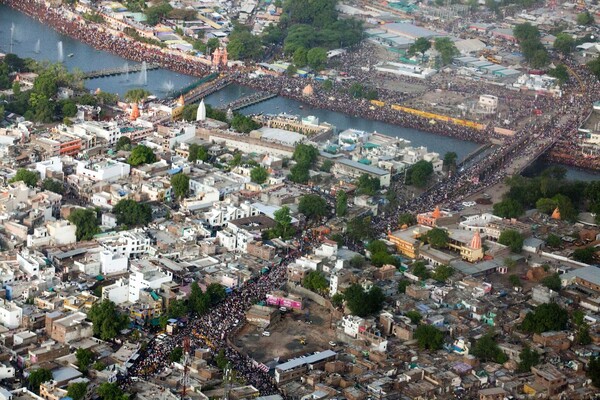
point(215, 293)
point(546, 317)
point(553, 241)
point(442, 273)
point(406, 219)
point(414, 316)
point(552, 282)
point(291, 70)
point(176, 354)
point(283, 224)
point(357, 261)
point(177, 309)
point(299, 57)
point(593, 371)
point(486, 349)
point(403, 284)
point(526, 31)
point(86, 221)
point(359, 228)
point(584, 255)
point(515, 281)
point(111, 391)
point(37, 377)
point(136, 95)
point(361, 302)
point(429, 337)
point(512, 239)
point(313, 206)
point(141, 155)
point(583, 337)
point(53, 185)
point(341, 203)
point(69, 109)
point(124, 143)
point(585, 18)
point(77, 390)
point(327, 85)
point(564, 43)
point(221, 359)
point(132, 213)
point(259, 175)
point(107, 320)
point(326, 166)
point(337, 300)
point(30, 178)
point(212, 44)
point(437, 237)
point(299, 173)
point(197, 152)
point(450, 160)
point(243, 45)
point(368, 185)
point(447, 49)
point(508, 209)
point(529, 358)
point(421, 45)
point(420, 172)
point(305, 154)
point(316, 58)
point(85, 357)
point(243, 123)
point(153, 16)
point(199, 302)
point(420, 270)
point(181, 185)
point(540, 58)
point(315, 281)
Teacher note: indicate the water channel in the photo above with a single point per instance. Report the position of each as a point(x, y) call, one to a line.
point(30, 38)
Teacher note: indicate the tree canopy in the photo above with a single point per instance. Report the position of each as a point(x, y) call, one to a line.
point(546, 317)
point(512, 239)
point(107, 320)
point(437, 237)
point(363, 303)
point(37, 377)
point(315, 281)
point(367, 185)
point(429, 337)
point(30, 178)
point(132, 213)
point(420, 172)
point(508, 209)
point(447, 50)
point(77, 390)
point(243, 45)
point(181, 185)
point(283, 228)
point(197, 152)
point(141, 155)
point(313, 206)
point(136, 95)
point(529, 358)
point(259, 175)
point(486, 349)
point(86, 221)
point(341, 203)
point(111, 391)
point(421, 45)
point(85, 358)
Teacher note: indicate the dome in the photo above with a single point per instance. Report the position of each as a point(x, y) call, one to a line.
point(308, 90)
point(476, 241)
point(556, 213)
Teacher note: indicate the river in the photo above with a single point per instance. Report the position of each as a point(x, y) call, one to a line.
point(28, 31)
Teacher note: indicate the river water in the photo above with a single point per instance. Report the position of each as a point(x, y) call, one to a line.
point(28, 31)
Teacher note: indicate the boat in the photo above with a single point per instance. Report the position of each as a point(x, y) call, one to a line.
point(301, 107)
point(70, 55)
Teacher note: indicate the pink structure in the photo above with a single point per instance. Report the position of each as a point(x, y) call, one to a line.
point(278, 301)
point(219, 57)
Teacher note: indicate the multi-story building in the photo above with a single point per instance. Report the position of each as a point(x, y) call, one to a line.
point(105, 171)
point(407, 240)
point(108, 131)
point(62, 144)
point(130, 244)
point(10, 314)
point(144, 275)
point(70, 328)
point(222, 212)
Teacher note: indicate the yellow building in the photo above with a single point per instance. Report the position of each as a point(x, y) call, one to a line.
point(407, 240)
point(467, 244)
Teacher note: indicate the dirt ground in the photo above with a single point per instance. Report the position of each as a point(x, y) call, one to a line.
point(285, 334)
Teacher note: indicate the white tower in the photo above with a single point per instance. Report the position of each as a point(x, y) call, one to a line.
point(201, 113)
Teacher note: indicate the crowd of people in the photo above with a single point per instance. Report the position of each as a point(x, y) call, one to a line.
point(101, 38)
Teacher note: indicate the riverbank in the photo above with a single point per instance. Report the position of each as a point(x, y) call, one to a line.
point(338, 101)
point(100, 37)
point(573, 159)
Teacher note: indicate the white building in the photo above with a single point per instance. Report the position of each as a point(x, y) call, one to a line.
point(6, 371)
point(201, 196)
point(127, 243)
point(106, 171)
point(352, 324)
point(102, 261)
point(30, 262)
point(10, 314)
point(488, 103)
point(108, 131)
point(145, 275)
point(118, 292)
point(62, 232)
point(53, 164)
point(222, 212)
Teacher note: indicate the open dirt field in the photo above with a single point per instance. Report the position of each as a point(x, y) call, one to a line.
point(284, 341)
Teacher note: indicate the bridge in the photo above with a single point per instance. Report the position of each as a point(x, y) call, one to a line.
point(101, 73)
point(200, 92)
point(247, 101)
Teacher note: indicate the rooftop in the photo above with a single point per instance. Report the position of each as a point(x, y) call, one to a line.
point(313, 358)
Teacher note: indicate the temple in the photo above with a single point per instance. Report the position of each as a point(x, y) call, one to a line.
point(201, 112)
point(219, 57)
point(135, 112)
point(436, 218)
point(556, 213)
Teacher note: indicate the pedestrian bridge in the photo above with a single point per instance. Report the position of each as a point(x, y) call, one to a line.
point(101, 73)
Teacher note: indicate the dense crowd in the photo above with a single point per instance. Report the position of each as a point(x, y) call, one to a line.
point(100, 38)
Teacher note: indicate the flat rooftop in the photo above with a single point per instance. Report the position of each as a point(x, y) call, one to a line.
point(313, 358)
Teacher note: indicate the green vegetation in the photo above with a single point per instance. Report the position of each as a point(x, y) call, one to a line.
point(337, 300)
point(259, 175)
point(131, 32)
point(28, 177)
point(447, 50)
point(283, 228)
point(85, 358)
point(552, 282)
point(197, 152)
point(437, 238)
point(243, 123)
point(131, 213)
point(429, 337)
point(380, 255)
point(450, 161)
point(359, 228)
point(305, 156)
point(111, 391)
point(358, 261)
point(585, 18)
point(564, 43)
point(406, 219)
point(421, 45)
point(419, 269)
point(486, 349)
point(136, 95)
point(77, 390)
point(124, 143)
point(315, 281)
point(419, 173)
point(313, 206)
point(359, 91)
point(157, 12)
point(37, 377)
point(200, 302)
point(341, 203)
point(363, 303)
point(594, 66)
point(86, 221)
point(93, 17)
point(367, 185)
point(141, 155)
point(441, 273)
point(546, 317)
point(553, 240)
point(508, 209)
point(593, 371)
point(529, 358)
point(243, 45)
point(585, 255)
point(403, 284)
point(181, 185)
point(512, 239)
point(515, 281)
point(414, 316)
point(532, 48)
point(108, 322)
point(176, 354)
